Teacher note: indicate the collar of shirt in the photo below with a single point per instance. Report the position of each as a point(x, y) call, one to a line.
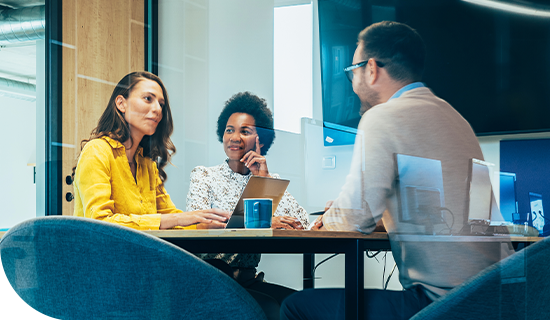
point(116, 145)
point(406, 88)
point(226, 170)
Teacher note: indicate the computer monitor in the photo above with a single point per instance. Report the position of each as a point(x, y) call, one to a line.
point(508, 202)
point(480, 193)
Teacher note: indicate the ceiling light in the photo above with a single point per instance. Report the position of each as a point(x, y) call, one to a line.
point(514, 8)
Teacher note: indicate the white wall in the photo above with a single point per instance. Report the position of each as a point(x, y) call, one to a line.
point(240, 57)
point(218, 48)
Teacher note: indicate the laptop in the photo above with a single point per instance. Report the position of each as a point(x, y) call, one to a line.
point(258, 187)
point(420, 192)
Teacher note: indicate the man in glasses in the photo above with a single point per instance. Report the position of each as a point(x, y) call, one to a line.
point(400, 116)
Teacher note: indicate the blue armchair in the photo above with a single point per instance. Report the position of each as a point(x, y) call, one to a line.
point(78, 268)
point(517, 287)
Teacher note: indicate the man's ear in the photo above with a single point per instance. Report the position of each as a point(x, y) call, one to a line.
point(120, 103)
point(372, 72)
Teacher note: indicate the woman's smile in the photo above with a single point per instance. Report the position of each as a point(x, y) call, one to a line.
point(240, 135)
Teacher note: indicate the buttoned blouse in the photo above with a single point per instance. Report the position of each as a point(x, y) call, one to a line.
point(105, 188)
point(220, 187)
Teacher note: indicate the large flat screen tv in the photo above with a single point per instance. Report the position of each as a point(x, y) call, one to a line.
point(492, 65)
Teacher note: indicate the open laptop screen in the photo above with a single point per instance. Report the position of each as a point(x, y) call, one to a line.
point(420, 190)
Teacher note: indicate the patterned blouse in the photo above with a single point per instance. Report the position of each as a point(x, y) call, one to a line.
point(220, 187)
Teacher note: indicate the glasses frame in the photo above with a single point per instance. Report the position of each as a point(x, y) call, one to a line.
point(349, 70)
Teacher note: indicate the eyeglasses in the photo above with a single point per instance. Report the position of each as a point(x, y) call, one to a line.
point(349, 70)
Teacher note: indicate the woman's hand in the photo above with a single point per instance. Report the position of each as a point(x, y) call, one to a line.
point(255, 162)
point(211, 218)
point(286, 222)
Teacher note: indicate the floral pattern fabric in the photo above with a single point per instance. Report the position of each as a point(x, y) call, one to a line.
point(220, 187)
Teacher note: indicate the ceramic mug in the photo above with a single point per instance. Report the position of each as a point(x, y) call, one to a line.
point(257, 212)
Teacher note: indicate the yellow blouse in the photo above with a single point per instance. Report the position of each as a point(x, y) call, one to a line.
point(105, 188)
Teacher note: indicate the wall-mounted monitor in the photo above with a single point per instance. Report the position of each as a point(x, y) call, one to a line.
point(492, 65)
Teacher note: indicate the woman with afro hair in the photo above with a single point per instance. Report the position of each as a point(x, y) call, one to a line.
point(245, 129)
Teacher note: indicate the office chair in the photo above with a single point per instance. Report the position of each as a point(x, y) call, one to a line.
point(517, 287)
point(79, 268)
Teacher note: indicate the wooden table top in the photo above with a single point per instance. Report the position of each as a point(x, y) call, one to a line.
point(254, 233)
point(272, 233)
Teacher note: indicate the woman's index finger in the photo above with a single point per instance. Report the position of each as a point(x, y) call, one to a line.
point(258, 149)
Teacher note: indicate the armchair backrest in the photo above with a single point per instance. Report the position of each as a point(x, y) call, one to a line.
point(79, 268)
point(517, 287)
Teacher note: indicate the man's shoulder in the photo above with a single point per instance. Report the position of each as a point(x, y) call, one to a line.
point(416, 109)
point(420, 95)
point(417, 100)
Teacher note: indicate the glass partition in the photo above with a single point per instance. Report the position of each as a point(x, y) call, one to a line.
point(22, 77)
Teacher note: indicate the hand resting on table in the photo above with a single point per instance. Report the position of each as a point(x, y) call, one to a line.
point(286, 222)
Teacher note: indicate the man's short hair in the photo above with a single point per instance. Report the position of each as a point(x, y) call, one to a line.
point(396, 45)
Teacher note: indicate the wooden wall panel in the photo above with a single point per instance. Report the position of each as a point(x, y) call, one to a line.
point(103, 41)
point(103, 34)
point(137, 9)
point(95, 96)
point(137, 46)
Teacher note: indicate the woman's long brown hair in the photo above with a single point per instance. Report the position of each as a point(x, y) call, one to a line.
point(158, 146)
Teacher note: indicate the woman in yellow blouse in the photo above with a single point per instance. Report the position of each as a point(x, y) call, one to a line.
point(117, 178)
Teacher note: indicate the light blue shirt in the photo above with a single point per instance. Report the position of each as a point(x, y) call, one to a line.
point(406, 88)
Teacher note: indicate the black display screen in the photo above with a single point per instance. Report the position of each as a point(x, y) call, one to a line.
point(491, 65)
